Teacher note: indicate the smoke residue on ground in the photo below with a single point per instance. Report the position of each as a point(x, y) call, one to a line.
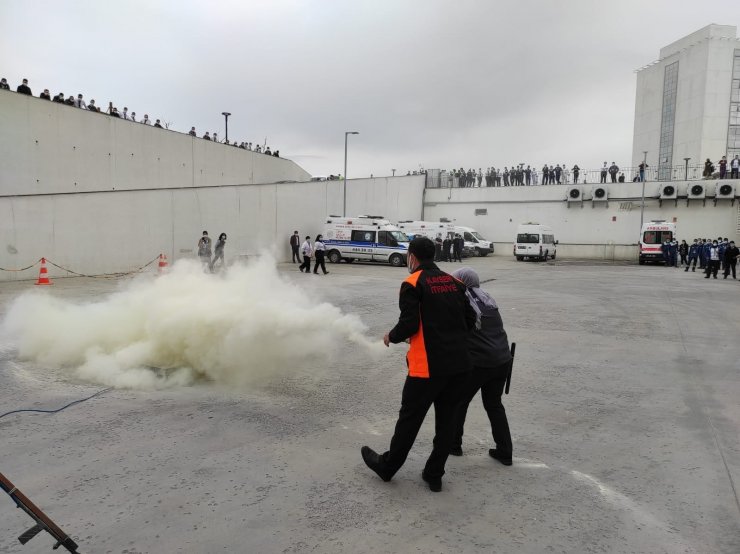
point(239, 328)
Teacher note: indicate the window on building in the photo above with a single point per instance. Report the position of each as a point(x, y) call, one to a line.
point(668, 119)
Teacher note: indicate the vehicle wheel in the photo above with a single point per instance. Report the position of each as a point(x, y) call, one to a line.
point(519, 258)
point(349, 260)
point(334, 256)
point(396, 260)
point(477, 253)
point(544, 258)
point(642, 262)
point(553, 256)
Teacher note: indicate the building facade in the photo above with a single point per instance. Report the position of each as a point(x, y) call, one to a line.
point(688, 103)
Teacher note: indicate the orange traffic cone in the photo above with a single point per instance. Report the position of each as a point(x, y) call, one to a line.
point(43, 274)
point(162, 264)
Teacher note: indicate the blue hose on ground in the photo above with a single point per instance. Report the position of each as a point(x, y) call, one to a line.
point(59, 409)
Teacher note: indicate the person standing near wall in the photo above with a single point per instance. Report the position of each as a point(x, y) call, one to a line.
point(204, 250)
point(319, 251)
point(735, 167)
point(723, 167)
point(604, 171)
point(732, 253)
point(576, 171)
point(683, 250)
point(446, 247)
point(693, 255)
point(307, 251)
point(295, 242)
point(714, 261)
point(457, 247)
point(219, 252)
point(436, 319)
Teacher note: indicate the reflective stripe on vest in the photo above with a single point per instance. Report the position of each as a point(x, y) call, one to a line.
point(416, 357)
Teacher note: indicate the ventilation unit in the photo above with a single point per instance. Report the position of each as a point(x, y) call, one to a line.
point(696, 191)
point(724, 191)
point(668, 192)
point(575, 195)
point(600, 194)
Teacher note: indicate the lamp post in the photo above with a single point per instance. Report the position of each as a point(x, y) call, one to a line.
point(226, 117)
point(686, 170)
point(394, 172)
point(642, 204)
point(344, 194)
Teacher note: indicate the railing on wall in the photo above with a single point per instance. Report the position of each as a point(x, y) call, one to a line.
point(437, 178)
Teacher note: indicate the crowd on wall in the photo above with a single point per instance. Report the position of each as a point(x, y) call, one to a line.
point(80, 103)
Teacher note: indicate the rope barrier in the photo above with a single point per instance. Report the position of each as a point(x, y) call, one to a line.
point(104, 276)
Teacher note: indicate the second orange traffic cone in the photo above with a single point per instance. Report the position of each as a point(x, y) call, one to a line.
point(44, 274)
point(162, 264)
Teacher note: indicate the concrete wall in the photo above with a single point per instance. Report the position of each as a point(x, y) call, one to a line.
point(48, 147)
point(588, 229)
point(117, 231)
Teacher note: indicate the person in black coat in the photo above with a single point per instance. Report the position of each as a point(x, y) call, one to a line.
point(23, 88)
point(457, 248)
point(446, 247)
point(4, 84)
point(732, 253)
point(488, 347)
point(295, 244)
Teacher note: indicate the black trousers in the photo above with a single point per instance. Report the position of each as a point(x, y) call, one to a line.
point(418, 396)
point(691, 259)
point(490, 381)
point(731, 266)
point(319, 262)
point(306, 264)
point(603, 176)
point(712, 268)
point(733, 173)
point(457, 255)
point(296, 255)
point(614, 177)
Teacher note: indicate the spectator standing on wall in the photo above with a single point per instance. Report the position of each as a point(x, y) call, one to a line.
point(204, 250)
point(91, 106)
point(124, 114)
point(643, 166)
point(80, 103)
point(276, 153)
point(613, 170)
point(23, 88)
point(59, 98)
point(735, 167)
point(535, 176)
point(295, 244)
point(604, 171)
point(70, 101)
point(267, 151)
point(621, 177)
point(192, 132)
point(558, 174)
point(4, 84)
point(723, 167)
point(114, 113)
point(206, 136)
point(219, 252)
point(133, 117)
point(528, 175)
point(576, 171)
point(708, 168)
point(46, 95)
point(146, 121)
point(157, 124)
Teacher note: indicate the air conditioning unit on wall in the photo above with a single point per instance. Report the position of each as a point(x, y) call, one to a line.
point(574, 195)
point(724, 191)
point(668, 192)
point(696, 191)
point(600, 193)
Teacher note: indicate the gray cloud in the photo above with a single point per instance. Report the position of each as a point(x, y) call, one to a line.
point(436, 83)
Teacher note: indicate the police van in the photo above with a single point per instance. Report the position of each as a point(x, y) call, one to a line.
point(652, 236)
point(535, 241)
point(364, 238)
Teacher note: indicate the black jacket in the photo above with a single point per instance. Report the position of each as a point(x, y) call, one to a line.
point(489, 345)
point(436, 316)
point(24, 89)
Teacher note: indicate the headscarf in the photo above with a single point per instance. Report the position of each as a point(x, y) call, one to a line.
point(478, 298)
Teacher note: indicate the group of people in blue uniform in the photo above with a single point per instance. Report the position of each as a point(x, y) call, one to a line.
point(711, 256)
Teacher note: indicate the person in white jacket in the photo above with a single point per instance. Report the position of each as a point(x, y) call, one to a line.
point(307, 251)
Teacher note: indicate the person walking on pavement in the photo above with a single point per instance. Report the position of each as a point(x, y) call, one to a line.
point(732, 253)
point(219, 252)
point(491, 358)
point(204, 250)
point(436, 319)
point(319, 251)
point(295, 243)
point(307, 251)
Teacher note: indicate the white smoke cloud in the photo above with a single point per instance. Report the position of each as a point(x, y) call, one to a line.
point(239, 328)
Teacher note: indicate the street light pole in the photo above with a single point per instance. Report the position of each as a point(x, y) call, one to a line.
point(226, 117)
point(686, 171)
point(344, 178)
point(394, 172)
point(642, 204)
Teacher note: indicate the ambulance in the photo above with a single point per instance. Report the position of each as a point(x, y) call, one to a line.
point(652, 236)
point(367, 238)
point(475, 244)
point(429, 229)
point(535, 241)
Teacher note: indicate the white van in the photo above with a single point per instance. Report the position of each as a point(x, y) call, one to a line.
point(366, 238)
point(652, 236)
point(535, 241)
point(429, 229)
point(475, 244)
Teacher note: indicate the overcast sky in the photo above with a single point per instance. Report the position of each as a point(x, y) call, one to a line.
point(434, 83)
